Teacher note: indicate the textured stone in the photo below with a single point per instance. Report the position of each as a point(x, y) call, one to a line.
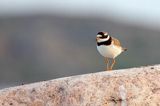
point(126, 87)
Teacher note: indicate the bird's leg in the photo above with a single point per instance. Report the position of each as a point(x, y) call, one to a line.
point(107, 62)
point(113, 62)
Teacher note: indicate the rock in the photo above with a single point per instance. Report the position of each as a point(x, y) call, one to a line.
point(126, 87)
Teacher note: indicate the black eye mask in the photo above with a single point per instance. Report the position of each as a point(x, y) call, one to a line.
point(104, 36)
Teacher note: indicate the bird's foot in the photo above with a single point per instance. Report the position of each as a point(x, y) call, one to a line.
point(109, 69)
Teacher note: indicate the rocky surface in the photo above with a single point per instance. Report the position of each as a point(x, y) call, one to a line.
point(126, 87)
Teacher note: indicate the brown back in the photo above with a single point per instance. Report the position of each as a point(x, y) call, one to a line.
point(116, 42)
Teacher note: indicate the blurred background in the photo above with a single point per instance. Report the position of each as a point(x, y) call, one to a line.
point(47, 39)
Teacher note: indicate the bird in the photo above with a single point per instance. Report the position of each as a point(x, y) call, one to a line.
point(109, 47)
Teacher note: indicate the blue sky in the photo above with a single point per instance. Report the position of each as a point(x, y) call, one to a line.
point(145, 12)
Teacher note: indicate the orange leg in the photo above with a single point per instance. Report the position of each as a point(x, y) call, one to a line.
point(107, 62)
point(113, 62)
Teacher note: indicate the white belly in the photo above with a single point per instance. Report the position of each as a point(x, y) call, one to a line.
point(110, 51)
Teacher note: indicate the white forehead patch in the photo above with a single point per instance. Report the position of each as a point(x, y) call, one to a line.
point(106, 33)
point(99, 35)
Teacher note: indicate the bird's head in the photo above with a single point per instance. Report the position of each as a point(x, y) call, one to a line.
point(102, 36)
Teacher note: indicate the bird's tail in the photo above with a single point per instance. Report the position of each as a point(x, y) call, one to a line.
point(124, 49)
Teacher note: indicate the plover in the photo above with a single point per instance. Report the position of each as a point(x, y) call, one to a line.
point(109, 48)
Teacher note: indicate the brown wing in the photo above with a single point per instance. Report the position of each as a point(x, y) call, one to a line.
point(116, 42)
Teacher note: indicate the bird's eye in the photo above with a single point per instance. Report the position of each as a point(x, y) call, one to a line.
point(104, 36)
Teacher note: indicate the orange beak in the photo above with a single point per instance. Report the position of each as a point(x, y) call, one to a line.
point(97, 38)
